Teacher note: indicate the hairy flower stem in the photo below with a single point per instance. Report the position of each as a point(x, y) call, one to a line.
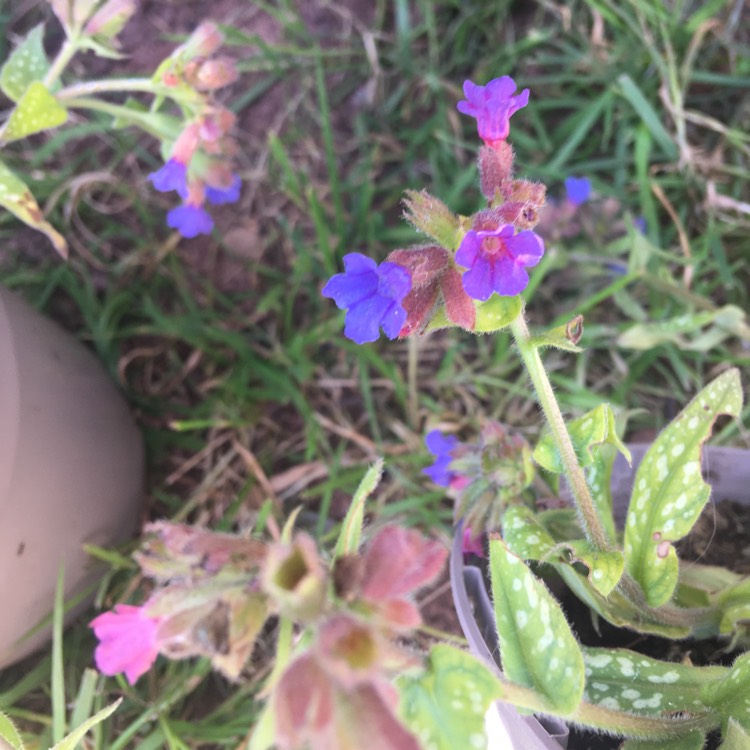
point(592, 525)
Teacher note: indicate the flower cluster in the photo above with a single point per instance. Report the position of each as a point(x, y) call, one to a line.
point(471, 260)
point(214, 592)
point(199, 167)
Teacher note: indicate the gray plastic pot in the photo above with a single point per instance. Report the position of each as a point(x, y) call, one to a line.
point(727, 470)
point(71, 471)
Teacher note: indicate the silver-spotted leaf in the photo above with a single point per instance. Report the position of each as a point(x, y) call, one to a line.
point(730, 696)
point(17, 198)
point(690, 741)
point(734, 603)
point(735, 737)
point(668, 490)
point(627, 681)
point(526, 537)
point(496, 313)
point(445, 705)
point(593, 429)
point(598, 479)
point(537, 648)
point(27, 63)
point(37, 110)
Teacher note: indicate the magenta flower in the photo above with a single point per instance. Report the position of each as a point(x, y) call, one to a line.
point(372, 295)
point(172, 176)
point(491, 106)
point(496, 261)
point(190, 220)
point(577, 190)
point(127, 641)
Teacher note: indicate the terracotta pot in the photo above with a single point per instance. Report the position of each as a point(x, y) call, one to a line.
point(727, 470)
point(71, 471)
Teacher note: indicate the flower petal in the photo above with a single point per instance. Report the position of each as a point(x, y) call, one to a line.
point(478, 281)
point(510, 278)
point(363, 319)
point(527, 248)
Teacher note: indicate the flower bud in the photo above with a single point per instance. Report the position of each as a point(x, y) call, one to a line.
point(495, 167)
point(108, 21)
point(214, 74)
point(203, 42)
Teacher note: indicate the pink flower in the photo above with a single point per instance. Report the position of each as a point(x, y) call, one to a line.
point(491, 106)
point(496, 261)
point(127, 641)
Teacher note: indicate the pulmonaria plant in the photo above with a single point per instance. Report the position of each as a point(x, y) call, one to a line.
point(193, 128)
point(471, 274)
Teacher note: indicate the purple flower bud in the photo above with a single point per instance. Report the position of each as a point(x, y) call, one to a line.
point(190, 220)
point(578, 190)
point(371, 295)
point(491, 106)
point(440, 446)
point(496, 261)
point(172, 176)
point(219, 196)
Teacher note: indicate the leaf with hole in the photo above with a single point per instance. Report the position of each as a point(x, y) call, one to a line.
point(17, 198)
point(537, 648)
point(445, 706)
point(37, 110)
point(592, 430)
point(26, 64)
point(668, 490)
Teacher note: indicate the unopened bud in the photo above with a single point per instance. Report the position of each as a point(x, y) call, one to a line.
point(214, 74)
point(203, 42)
point(524, 191)
point(495, 167)
point(108, 21)
point(186, 144)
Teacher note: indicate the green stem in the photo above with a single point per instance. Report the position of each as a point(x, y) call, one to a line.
point(125, 85)
point(592, 525)
point(412, 368)
point(64, 56)
point(146, 121)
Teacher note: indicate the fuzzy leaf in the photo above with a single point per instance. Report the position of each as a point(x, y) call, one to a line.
point(628, 681)
point(537, 647)
point(735, 737)
point(428, 214)
point(598, 478)
point(496, 313)
point(9, 736)
point(528, 539)
point(445, 706)
point(730, 696)
point(74, 738)
point(668, 490)
point(734, 603)
point(351, 528)
point(690, 741)
point(27, 63)
point(593, 429)
point(565, 337)
point(17, 198)
point(37, 110)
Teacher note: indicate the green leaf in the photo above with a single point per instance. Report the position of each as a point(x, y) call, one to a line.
point(17, 198)
point(37, 110)
point(351, 529)
point(565, 337)
point(428, 214)
point(72, 740)
point(496, 313)
point(698, 332)
point(593, 429)
point(735, 737)
point(734, 603)
point(690, 741)
point(537, 647)
point(445, 705)
point(27, 63)
point(528, 539)
point(730, 696)
point(628, 681)
point(9, 736)
point(668, 490)
point(599, 480)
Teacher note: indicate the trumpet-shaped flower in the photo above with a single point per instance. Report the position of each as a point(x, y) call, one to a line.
point(440, 446)
point(372, 295)
point(172, 176)
point(491, 106)
point(577, 190)
point(190, 220)
point(220, 196)
point(496, 261)
point(127, 641)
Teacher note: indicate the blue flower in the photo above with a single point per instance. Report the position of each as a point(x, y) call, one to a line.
point(190, 221)
point(371, 295)
point(578, 190)
point(496, 261)
point(440, 446)
point(219, 196)
point(172, 176)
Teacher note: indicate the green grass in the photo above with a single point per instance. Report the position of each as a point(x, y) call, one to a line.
point(262, 362)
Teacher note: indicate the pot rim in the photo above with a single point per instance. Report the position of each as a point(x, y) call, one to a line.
point(10, 418)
